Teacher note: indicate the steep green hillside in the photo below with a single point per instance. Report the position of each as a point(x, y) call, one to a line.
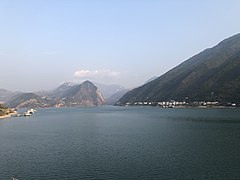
point(212, 75)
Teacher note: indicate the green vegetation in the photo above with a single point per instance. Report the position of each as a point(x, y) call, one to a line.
point(4, 110)
point(212, 75)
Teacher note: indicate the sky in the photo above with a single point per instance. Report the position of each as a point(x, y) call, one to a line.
point(44, 43)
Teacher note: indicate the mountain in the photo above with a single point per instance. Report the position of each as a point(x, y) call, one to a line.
point(106, 90)
point(59, 91)
point(6, 95)
point(66, 95)
point(109, 90)
point(27, 100)
point(151, 79)
point(115, 97)
point(211, 75)
point(85, 94)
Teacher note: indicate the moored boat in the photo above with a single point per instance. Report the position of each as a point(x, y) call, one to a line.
point(27, 114)
point(31, 111)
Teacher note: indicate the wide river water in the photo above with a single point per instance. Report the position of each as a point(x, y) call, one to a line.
point(121, 143)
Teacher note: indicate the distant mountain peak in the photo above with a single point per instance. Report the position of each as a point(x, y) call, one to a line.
point(69, 84)
point(87, 81)
point(84, 94)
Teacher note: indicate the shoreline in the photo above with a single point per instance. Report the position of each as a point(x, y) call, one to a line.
point(8, 115)
point(188, 107)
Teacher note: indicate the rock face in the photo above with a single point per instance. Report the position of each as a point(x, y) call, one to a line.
point(212, 75)
point(85, 94)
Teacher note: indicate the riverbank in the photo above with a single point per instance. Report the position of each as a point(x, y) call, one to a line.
point(8, 115)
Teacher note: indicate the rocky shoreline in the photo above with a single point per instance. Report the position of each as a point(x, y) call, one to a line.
point(8, 115)
point(6, 112)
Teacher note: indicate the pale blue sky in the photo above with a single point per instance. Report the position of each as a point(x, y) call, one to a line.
point(44, 43)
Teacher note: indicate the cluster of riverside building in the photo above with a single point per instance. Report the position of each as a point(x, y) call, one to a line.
point(173, 103)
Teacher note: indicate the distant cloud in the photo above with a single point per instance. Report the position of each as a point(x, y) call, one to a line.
point(96, 74)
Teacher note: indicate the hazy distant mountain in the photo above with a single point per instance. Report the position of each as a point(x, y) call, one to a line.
point(115, 97)
point(43, 93)
point(109, 90)
point(59, 91)
point(212, 75)
point(29, 100)
point(106, 90)
point(85, 94)
point(6, 95)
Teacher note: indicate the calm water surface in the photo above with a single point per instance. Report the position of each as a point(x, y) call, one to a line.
point(121, 143)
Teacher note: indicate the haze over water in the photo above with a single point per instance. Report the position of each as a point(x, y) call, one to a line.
point(121, 143)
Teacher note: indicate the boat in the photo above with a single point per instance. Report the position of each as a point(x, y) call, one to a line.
point(17, 115)
point(31, 111)
point(27, 113)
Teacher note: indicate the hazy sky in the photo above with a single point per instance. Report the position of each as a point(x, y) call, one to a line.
point(44, 43)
